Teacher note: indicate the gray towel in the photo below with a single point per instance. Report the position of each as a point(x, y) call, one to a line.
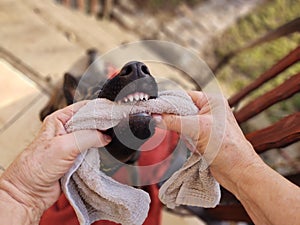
point(95, 196)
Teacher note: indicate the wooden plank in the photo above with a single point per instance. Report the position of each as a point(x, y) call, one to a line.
point(278, 135)
point(282, 92)
point(284, 63)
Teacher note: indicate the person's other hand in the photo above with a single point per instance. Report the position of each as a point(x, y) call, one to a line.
point(33, 178)
point(214, 133)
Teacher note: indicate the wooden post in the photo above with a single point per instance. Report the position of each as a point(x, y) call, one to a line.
point(107, 8)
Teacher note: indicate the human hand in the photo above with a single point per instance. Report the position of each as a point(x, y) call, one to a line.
point(32, 180)
point(215, 134)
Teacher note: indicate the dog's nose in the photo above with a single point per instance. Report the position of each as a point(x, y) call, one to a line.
point(135, 70)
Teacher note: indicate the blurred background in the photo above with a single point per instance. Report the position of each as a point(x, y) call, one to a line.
point(41, 40)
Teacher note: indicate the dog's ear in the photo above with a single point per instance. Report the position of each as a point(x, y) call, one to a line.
point(69, 87)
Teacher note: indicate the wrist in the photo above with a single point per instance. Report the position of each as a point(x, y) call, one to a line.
point(14, 210)
point(250, 177)
point(232, 166)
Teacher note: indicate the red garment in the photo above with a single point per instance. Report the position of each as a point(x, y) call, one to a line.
point(61, 213)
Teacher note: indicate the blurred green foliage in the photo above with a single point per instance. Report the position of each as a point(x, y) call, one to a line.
point(248, 65)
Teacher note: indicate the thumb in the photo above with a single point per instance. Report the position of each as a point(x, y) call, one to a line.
point(79, 141)
point(168, 122)
point(186, 125)
point(85, 139)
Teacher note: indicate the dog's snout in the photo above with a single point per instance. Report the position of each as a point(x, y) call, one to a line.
point(134, 78)
point(135, 70)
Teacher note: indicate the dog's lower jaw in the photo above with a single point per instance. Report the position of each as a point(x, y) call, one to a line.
point(127, 138)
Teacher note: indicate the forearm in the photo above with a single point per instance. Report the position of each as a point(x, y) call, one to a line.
point(267, 196)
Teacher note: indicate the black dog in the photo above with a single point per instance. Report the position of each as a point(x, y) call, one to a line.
point(133, 83)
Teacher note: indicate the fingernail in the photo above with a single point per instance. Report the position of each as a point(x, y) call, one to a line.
point(107, 138)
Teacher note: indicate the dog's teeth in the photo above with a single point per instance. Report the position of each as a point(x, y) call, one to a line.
point(141, 96)
point(130, 97)
point(124, 114)
point(136, 96)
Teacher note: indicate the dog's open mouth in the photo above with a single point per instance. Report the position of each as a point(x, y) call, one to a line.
point(132, 84)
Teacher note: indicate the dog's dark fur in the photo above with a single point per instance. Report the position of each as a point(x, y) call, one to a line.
point(134, 77)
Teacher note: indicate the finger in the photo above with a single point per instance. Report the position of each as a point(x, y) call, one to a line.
point(199, 98)
point(168, 122)
point(187, 125)
point(74, 107)
point(195, 95)
point(85, 139)
point(72, 144)
point(53, 124)
point(63, 115)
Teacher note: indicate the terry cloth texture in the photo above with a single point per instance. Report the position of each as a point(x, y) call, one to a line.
point(96, 196)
